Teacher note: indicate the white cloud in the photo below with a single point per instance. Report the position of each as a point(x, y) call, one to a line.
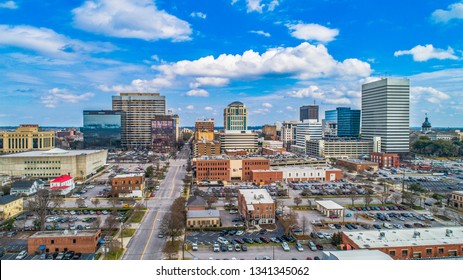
point(138, 19)
point(57, 95)
point(455, 11)
point(139, 85)
point(289, 108)
point(331, 96)
point(209, 81)
point(198, 15)
point(190, 107)
point(425, 53)
point(311, 91)
point(254, 6)
point(429, 94)
point(259, 5)
point(9, 5)
point(48, 42)
point(273, 4)
point(305, 61)
point(198, 92)
point(260, 32)
point(208, 108)
point(312, 32)
point(259, 111)
point(267, 105)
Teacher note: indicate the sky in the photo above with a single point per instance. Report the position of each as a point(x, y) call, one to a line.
point(58, 58)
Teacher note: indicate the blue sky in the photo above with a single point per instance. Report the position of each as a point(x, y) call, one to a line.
point(58, 58)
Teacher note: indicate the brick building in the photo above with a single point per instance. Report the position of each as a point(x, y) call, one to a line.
point(385, 160)
point(435, 242)
point(457, 200)
point(128, 185)
point(269, 131)
point(256, 206)
point(357, 164)
point(266, 176)
point(204, 130)
point(309, 173)
point(254, 164)
point(203, 218)
point(206, 148)
point(82, 241)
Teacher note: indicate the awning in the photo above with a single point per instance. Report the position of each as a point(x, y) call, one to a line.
point(42, 247)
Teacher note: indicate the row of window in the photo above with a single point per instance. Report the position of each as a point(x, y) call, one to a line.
point(215, 168)
point(203, 222)
point(42, 174)
point(304, 174)
point(42, 161)
point(128, 188)
point(124, 182)
point(457, 197)
point(428, 251)
point(43, 168)
point(269, 216)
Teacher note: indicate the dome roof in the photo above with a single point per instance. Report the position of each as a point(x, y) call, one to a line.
point(234, 103)
point(426, 122)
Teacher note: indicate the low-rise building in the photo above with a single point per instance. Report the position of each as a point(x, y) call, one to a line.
point(256, 206)
point(330, 208)
point(128, 185)
point(309, 173)
point(26, 187)
point(10, 206)
point(196, 203)
point(357, 164)
point(63, 184)
point(79, 241)
point(270, 144)
point(385, 160)
point(206, 148)
point(457, 200)
point(203, 218)
point(342, 148)
point(399, 244)
point(266, 176)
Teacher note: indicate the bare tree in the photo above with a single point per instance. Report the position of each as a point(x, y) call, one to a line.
point(288, 220)
point(170, 249)
point(80, 202)
point(297, 200)
point(96, 201)
point(228, 196)
point(396, 198)
point(368, 197)
point(210, 199)
point(172, 225)
point(41, 203)
point(96, 223)
point(310, 203)
point(280, 203)
point(353, 198)
point(111, 222)
point(383, 197)
point(304, 224)
point(410, 198)
point(434, 210)
point(356, 215)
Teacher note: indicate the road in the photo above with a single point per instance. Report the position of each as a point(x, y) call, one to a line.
point(145, 245)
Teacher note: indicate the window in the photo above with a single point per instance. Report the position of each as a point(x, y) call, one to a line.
point(74, 241)
point(404, 253)
point(52, 241)
point(440, 250)
point(392, 253)
point(428, 251)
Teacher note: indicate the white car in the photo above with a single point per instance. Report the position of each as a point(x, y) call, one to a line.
point(216, 247)
point(285, 246)
point(22, 255)
point(233, 211)
point(239, 232)
point(320, 235)
point(299, 247)
point(331, 226)
point(194, 247)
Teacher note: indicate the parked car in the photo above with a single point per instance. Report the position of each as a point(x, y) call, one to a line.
point(299, 247)
point(60, 256)
point(22, 255)
point(216, 247)
point(237, 247)
point(285, 246)
point(244, 248)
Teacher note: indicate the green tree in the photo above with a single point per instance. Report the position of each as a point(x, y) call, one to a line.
point(149, 172)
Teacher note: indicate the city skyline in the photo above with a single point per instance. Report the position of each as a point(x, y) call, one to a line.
point(274, 56)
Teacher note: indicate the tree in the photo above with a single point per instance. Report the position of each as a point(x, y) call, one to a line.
point(80, 202)
point(288, 220)
point(410, 198)
point(304, 224)
point(368, 197)
point(41, 203)
point(172, 225)
point(149, 172)
point(170, 249)
point(6, 190)
point(96, 223)
point(416, 188)
point(228, 196)
point(111, 222)
point(297, 200)
point(437, 197)
point(336, 239)
point(96, 201)
point(310, 203)
point(353, 198)
point(210, 199)
point(383, 197)
point(395, 198)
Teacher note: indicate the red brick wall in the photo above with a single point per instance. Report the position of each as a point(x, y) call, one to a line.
point(79, 244)
point(254, 164)
point(267, 177)
point(215, 170)
point(337, 173)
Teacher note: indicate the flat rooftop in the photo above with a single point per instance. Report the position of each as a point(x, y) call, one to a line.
point(356, 255)
point(56, 152)
point(358, 161)
point(65, 233)
point(406, 237)
point(131, 175)
point(303, 168)
point(256, 196)
point(203, 214)
point(329, 204)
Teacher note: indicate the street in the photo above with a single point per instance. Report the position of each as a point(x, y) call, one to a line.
point(145, 245)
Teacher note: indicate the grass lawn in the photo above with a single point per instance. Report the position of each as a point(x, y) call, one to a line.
point(128, 232)
point(137, 217)
point(115, 255)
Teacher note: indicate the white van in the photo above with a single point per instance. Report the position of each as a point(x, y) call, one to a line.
point(194, 247)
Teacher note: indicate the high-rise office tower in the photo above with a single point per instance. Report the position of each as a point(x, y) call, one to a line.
point(309, 112)
point(235, 116)
point(102, 128)
point(204, 129)
point(342, 122)
point(386, 113)
point(140, 109)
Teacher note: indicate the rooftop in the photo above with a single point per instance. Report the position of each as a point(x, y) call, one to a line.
point(303, 168)
point(8, 199)
point(23, 185)
point(406, 237)
point(458, 192)
point(357, 161)
point(131, 175)
point(203, 214)
point(356, 255)
point(256, 196)
point(196, 201)
point(56, 152)
point(56, 233)
point(62, 178)
point(329, 204)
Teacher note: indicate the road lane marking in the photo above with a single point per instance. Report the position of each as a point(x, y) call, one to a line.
point(173, 184)
point(151, 235)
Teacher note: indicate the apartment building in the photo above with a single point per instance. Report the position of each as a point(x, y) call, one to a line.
point(128, 185)
point(256, 206)
point(385, 160)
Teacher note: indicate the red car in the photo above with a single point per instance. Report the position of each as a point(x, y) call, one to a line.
point(152, 195)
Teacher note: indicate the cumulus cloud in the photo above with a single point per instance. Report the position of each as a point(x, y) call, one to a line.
point(260, 32)
point(198, 92)
point(48, 42)
point(289, 108)
point(267, 105)
point(198, 15)
point(208, 108)
point(57, 95)
point(454, 11)
point(312, 32)
point(429, 94)
point(209, 81)
point(331, 96)
point(190, 107)
point(259, 5)
point(8, 5)
point(139, 85)
point(138, 19)
point(305, 61)
point(425, 53)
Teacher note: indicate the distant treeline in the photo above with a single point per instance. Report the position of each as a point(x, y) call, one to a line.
point(438, 148)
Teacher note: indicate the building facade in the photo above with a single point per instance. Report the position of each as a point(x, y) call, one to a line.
point(269, 131)
point(235, 116)
point(10, 206)
point(102, 128)
point(357, 165)
point(204, 130)
point(457, 200)
point(139, 110)
point(164, 131)
point(385, 160)
point(203, 218)
point(307, 130)
point(238, 140)
point(386, 113)
point(346, 120)
point(309, 112)
point(63, 184)
point(309, 173)
point(79, 164)
point(288, 134)
point(256, 206)
point(342, 148)
point(27, 137)
point(82, 241)
point(128, 185)
point(206, 148)
point(265, 177)
point(26, 188)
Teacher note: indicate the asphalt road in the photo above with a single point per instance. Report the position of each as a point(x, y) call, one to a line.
point(145, 245)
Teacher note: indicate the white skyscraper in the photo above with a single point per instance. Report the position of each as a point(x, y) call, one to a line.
point(386, 113)
point(309, 129)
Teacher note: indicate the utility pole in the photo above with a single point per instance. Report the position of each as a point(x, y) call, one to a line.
point(403, 185)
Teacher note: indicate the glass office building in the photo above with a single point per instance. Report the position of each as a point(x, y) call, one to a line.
point(102, 128)
point(347, 121)
point(164, 133)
